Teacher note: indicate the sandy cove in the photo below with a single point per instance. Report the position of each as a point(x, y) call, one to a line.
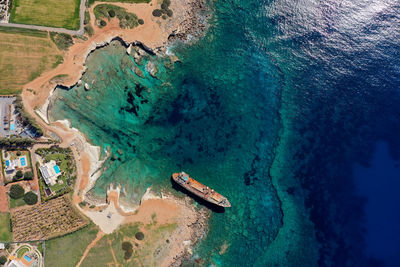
point(154, 34)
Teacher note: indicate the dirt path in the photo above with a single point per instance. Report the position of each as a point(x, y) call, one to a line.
point(4, 207)
point(113, 254)
point(100, 234)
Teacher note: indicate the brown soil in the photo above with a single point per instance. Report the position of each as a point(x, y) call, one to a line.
point(4, 206)
point(100, 234)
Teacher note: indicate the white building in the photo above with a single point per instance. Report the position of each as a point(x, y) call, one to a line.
point(50, 171)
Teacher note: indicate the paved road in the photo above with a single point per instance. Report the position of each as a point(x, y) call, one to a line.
point(53, 29)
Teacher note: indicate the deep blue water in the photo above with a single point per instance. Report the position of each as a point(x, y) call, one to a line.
point(273, 108)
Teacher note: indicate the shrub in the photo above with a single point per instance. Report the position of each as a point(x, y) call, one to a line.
point(16, 191)
point(19, 174)
point(18, 153)
point(28, 175)
point(111, 13)
point(127, 246)
point(164, 16)
point(103, 23)
point(169, 13)
point(62, 40)
point(30, 198)
point(89, 30)
point(164, 6)
point(157, 13)
point(3, 260)
point(139, 236)
point(140, 21)
point(167, 2)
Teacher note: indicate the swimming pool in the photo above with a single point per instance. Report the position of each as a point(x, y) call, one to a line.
point(7, 163)
point(12, 126)
point(57, 169)
point(23, 161)
point(27, 258)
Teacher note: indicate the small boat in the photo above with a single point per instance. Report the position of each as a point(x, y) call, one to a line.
point(200, 190)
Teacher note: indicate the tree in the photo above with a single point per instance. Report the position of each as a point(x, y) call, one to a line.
point(141, 21)
point(28, 175)
point(111, 13)
point(30, 198)
point(16, 191)
point(3, 260)
point(103, 23)
point(18, 153)
point(169, 13)
point(157, 13)
point(19, 174)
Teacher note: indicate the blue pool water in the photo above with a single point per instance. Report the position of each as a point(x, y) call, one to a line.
point(23, 162)
point(27, 258)
point(57, 169)
point(12, 126)
point(7, 163)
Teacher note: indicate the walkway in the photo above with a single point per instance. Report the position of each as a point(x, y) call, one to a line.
point(53, 29)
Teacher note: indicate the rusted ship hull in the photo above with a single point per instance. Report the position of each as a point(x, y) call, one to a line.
point(200, 190)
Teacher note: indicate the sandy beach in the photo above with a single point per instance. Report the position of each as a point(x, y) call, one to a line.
point(154, 34)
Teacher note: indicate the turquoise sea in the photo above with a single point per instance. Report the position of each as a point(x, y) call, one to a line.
point(273, 108)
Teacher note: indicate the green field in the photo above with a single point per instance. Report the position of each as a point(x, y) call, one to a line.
point(5, 234)
point(24, 55)
point(14, 203)
point(52, 13)
point(67, 250)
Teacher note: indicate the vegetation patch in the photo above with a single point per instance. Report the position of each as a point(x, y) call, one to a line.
point(91, 2)
point(67, 250)
point(22, 251)
point(16, 191)
point(53, 218)
point(5, 231)
point(30, 198)
point(164, 10)
point(62, 40)
point(52, 13)
point(26, 119)
point(26, 54)
point(106, 11)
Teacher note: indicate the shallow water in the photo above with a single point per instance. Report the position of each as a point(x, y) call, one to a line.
point(280, 98)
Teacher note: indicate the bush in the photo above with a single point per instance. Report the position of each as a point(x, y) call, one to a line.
point(103, 23)
point(164, 16)
point(164, 6)
point(157, 13)
point(28, 175)
point(167, 2)
point(16, 191)
point(18, 153)
point(62, 40)
point(111, 13)
point(139, 236)
point(127, 247)
point(30, 198)
point(3, 260)
point(19, 174)
point(89, 30)
point(169, 13)
point(140, 21)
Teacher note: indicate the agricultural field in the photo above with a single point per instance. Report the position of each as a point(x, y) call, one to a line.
point(67, 250)
point(5, 233)
point(51, 13)
point(51, 219)
point(132, 245)
point(24, 55)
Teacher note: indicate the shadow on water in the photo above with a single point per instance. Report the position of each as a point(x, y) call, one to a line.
point(212, 207)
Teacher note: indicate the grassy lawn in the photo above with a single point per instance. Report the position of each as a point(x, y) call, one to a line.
point(5, 234)
point(67, 250)
point(52, 13)
point(24, 55)
point(21, 252)
point(16, 202)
